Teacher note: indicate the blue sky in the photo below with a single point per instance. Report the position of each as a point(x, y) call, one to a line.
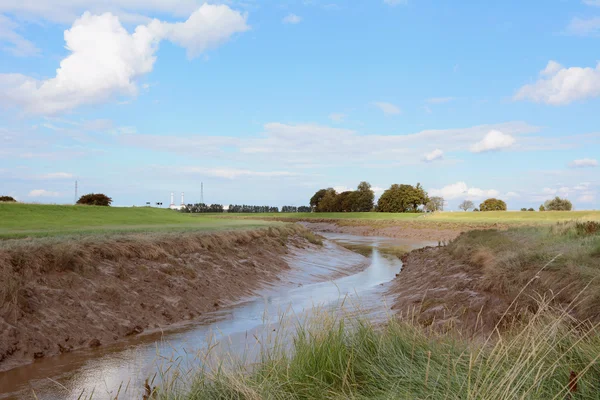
point(266, 102)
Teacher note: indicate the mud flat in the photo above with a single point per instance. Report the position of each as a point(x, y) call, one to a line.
point(60, 295)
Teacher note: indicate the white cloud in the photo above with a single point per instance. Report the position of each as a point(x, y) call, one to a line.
point(42, 193)
point(511, 195)
point(292, 19)
point(394, 3)
point(584, 27)
point(587, 198)
point(583, 163)
point(337, 117)
point(436, 154)
point(208, 27)
point(56, 175)
point(387, 108)
point(559, 85)
point(595, 3)
point(233, 173)
point(19, 46)
point(106, 60)
point(460, 190)
point(494, 140)
point(341, 189)
point(439, 100)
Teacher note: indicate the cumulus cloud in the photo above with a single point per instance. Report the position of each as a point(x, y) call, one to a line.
point(292, 19)
point(584, 26)
point(460, 190)
point(105, 60)
point(436, 154)
point(14, 43)
point(583, 163)
point(42, 193)
point(337, 117)
point(559, 85)
point(387, 108)
point(494, 140)
point(586, 198)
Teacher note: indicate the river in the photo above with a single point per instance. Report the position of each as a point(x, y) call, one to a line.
point(329, 280)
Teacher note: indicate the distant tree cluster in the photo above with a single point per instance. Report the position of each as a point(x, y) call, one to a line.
point(95, 199)
point(402, 199)
point(294, 209)
point(525, 209)
point(359, 200)
point(557, 204)
point(467, 205)
point(202, 208)
point(234, 208)
point(493, 205)
point(7, 199)
point(435, 203)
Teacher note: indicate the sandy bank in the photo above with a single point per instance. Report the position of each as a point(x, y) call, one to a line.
point(58, 296)
point(394, 229)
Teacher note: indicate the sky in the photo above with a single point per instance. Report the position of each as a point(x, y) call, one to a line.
point(265, 102)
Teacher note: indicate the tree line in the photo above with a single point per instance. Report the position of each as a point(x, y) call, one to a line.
point(398, 198)
point(236, 208)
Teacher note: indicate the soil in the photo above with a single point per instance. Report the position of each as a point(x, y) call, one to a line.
point(59, 310)
point(444, 293)
point(395, 230)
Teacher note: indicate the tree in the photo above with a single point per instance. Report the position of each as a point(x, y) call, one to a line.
point(364, 198)
point(435, 203)
point(466, 205)
point(493, 205)
point(542, 208)
point(523, 209)
point(476, 209)
point(558, 204)
point(328, 201)
point(402, 198)
point(7, 199)
point(316, 199)
point(95, 199)
point(530, 209)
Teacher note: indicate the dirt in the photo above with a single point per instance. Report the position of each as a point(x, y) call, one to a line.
point(57, 310)
point(394, 230)
point(444, 293)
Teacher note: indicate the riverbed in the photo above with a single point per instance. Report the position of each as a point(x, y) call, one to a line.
point(331, 279)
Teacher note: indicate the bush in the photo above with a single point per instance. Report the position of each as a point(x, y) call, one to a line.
point(7, 199)
point(476, 209)
point(493, 205)
point(523, 209)
point(531, 209)
point(95, 199)
point(542, 208)
point(558, 204)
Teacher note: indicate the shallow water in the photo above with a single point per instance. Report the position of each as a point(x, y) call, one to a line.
point(329, 279)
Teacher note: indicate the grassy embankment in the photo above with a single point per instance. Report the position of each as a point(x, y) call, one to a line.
point(37, 220)
point(489, 217)
point(546, 344)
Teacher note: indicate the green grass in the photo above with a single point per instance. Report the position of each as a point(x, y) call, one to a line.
point(353, 359)
point(36, 220)
point(446, 216)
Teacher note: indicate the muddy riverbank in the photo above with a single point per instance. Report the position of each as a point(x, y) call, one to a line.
point(59, 296)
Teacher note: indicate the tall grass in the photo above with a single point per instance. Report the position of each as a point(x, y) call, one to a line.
point(552, 356)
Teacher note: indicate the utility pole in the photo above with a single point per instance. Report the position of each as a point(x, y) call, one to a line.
point(75, 201)
point(202, 192)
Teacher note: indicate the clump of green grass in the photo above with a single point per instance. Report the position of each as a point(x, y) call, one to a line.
point(337, 358)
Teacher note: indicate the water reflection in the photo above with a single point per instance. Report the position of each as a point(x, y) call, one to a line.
point(240, 330)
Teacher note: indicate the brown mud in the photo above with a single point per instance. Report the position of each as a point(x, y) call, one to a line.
point(58, 296)
point(445, 294)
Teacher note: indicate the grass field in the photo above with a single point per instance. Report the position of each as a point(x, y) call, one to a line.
point(36, 220)
point(447, 216)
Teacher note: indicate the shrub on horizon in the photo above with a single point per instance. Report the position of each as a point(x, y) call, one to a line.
point(95, 199)
point(493, 205)
point(7, 199)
